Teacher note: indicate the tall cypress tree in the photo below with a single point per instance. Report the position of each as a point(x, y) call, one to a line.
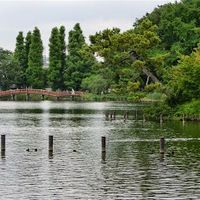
point(54, 59)
point(63, 55)
point(76, 40)
point(19, 56)
point(27, 50)
point(35, 75)
point(27, 47)
point(76, 67)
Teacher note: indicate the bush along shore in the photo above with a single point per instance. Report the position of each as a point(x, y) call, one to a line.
point(157, 107)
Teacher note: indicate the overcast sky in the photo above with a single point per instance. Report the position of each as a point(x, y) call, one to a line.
point(93, 15)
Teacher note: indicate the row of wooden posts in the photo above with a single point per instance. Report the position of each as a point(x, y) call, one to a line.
point(3, 145)
point(112, 116)
point(103, 145)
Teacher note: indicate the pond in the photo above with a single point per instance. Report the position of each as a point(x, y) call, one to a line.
point(132, 167)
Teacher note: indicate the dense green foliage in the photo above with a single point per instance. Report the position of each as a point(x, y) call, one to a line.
point(63, 56)
point(34, 72)
point(184, 79)
point(79, 59)
point(57, 58)
point(27, 48)
point(189, 110)
point(157, 59)
point(10, 72)
point(54, 60)
point(127, 57)
point(20, 58)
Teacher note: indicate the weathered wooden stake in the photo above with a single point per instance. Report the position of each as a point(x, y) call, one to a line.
point(50, 143)
point(125, 116)
point(3, 146)
point(103, 156)
point(3, 143)
point(107, 115)
point(110, 116)
point(114, 115)
point(50, 154)
point(162, 145)
point(103, 144)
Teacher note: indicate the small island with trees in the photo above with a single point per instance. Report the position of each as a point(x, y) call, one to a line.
point(157, 60)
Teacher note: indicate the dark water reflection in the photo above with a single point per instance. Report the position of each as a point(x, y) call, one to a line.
point(131, 168)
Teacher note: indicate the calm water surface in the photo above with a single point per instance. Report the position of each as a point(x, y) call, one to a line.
point(133, 168)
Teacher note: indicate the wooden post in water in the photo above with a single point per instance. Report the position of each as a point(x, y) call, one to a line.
point(111, 116)
point(3, 145)
point(114, 115)
point(103, 148)
point(125, 116)
point(162, 145)
point(103, 144)
point(103, 156)
point(3, 142)
point(107, 115)
point(50, 143)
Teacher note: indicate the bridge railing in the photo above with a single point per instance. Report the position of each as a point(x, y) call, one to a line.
point(41, 92)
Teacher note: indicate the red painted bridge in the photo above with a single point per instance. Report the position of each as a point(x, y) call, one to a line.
point(42, 92)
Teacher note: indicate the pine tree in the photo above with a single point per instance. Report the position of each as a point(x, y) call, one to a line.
point(9, 70)
point(19, 56)
point(54, 59)
point(35, 75)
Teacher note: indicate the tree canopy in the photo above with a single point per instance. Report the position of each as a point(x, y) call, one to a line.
point(10, 73)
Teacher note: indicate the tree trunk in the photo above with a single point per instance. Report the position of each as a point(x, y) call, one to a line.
point(148, 73)
point(147, 81)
